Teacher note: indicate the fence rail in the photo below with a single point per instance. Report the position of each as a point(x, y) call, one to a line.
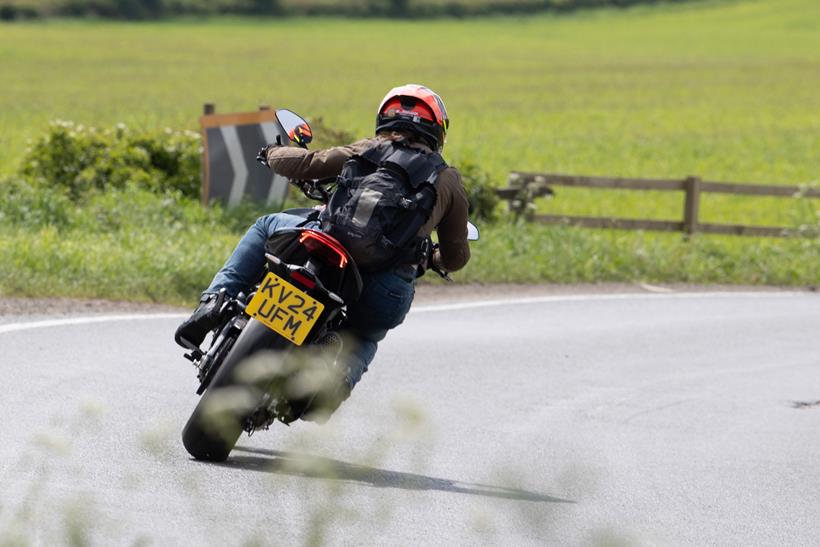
point(525, 187)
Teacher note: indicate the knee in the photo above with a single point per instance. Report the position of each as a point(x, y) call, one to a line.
point(265, 221)
point(266, 225)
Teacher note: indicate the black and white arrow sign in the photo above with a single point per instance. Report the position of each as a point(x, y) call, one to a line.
point(230, 172)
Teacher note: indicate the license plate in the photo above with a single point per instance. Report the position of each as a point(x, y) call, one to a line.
point(284, 309)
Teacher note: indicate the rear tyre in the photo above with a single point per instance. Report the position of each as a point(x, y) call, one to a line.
point(234, 393)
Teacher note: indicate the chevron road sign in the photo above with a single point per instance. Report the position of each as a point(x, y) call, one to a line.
point(230, 172)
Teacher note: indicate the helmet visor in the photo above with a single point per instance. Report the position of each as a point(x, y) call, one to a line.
point(445, 120)
point(411, 109)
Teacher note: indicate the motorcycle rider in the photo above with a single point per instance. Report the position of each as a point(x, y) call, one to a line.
point(414, 115)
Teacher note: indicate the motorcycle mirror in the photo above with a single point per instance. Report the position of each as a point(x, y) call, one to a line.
point(472, 232)
point(295, 126)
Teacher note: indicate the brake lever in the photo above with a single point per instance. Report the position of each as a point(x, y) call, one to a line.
point(444, 275)
point(314, 189)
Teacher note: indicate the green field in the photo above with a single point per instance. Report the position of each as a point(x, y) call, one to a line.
point(727, 91)
point(723, 90)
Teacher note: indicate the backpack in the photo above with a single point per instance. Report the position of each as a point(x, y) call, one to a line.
point(382, 199)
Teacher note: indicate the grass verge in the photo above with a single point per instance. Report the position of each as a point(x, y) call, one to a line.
point(132, 244)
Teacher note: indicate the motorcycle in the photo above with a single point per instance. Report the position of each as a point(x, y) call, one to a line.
point(270, 358)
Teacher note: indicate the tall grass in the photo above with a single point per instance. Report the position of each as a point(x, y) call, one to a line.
point(133, 244)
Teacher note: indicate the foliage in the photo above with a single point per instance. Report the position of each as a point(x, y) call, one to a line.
point(326, 136)
point(30, 205)
point(136, 244)
point(80, 158)
point(133, 9)
point(129, 242)
point(153, 9)
point(480, 191)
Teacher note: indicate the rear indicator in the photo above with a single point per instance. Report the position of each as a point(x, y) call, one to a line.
point(325, 246)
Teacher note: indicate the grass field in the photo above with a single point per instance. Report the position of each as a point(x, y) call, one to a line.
point(724, 90)
point(727, 91)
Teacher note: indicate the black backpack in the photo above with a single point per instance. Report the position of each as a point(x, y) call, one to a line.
point(383, 197)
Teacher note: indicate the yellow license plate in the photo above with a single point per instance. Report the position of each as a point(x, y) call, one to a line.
point(284, 309)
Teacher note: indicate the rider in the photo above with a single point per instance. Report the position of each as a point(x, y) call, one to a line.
point(414, 115)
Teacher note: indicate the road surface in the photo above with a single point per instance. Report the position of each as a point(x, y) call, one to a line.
point(647, 419)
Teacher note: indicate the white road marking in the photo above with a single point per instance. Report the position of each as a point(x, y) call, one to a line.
point(591, 297)
point(655, 288)
point(71, 321)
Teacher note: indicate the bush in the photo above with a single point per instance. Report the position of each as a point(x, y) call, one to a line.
point(156, 9)
point(326, 136)
point(480, 191)
point(12, 11)
point(79, 159)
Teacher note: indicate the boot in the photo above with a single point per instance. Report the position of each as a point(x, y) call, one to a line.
point(331, 396)
point(206, 317)
point(330, 345)
point(318, 406)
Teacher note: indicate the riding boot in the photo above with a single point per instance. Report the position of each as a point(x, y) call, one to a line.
point(206, 317)
point(332, 390)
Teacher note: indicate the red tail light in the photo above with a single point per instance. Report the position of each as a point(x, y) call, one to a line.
point(303, 279)
point(325, 246)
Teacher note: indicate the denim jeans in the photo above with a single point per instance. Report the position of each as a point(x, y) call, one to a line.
point(244, 268)
point(385, 300)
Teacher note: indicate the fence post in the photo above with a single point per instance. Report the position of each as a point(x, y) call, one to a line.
point(517, 203)
point(691, 206)
point(207, 110)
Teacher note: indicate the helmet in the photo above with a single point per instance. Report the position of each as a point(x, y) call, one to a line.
point(415, 108)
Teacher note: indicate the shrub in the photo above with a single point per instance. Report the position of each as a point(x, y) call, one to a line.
point(326, 136)
point(156, 9)
point(80, 158)
point(480, 191)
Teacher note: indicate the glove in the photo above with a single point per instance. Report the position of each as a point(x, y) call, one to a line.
point(435, 260)
point(262, 156)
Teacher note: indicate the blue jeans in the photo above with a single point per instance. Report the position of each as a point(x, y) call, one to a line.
point(385, 300)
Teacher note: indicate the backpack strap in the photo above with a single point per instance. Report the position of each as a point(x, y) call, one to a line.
point(416, 171)
point(377, 154)
point(415, 166)
point(360, 165)
point(356, 167)
point(420, 169)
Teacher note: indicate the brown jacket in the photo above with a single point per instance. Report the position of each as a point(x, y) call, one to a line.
point(449, 217)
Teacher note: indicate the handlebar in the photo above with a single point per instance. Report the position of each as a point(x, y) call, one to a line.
point(445, 275)
point(315, 189)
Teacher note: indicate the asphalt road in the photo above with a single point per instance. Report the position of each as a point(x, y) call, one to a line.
point(607, 420)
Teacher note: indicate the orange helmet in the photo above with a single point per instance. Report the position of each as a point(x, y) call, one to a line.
point(415, 108)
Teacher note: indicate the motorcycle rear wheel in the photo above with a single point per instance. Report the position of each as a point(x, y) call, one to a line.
point(218, 419)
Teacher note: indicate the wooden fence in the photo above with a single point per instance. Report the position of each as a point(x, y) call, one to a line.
point(525, 187)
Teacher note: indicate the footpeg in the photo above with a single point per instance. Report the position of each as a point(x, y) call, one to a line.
point(194, 356)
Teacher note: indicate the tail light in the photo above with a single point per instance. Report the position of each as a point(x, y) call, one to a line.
point(324, 246)
point(303, 279)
